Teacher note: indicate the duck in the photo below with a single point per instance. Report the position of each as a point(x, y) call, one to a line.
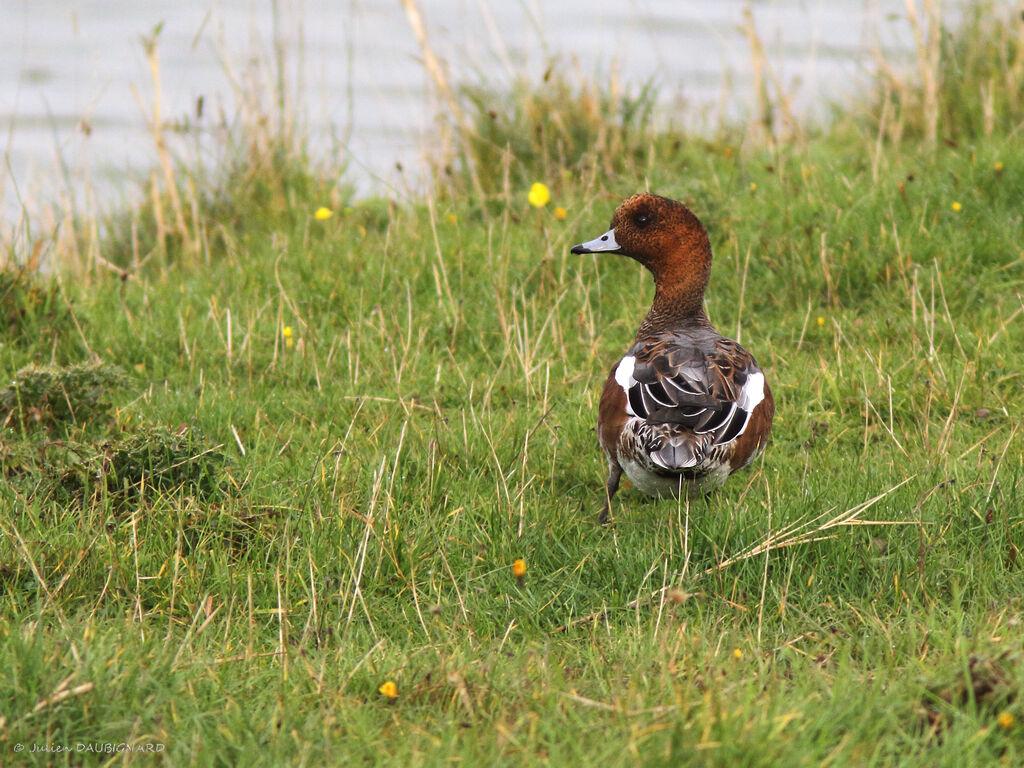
point(685, 407)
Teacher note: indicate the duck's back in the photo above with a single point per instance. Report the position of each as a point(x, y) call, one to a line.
point(689, 397)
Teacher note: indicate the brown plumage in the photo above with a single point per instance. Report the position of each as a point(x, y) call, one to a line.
point(685, 407)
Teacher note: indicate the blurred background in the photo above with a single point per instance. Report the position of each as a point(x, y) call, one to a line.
point(79, 95)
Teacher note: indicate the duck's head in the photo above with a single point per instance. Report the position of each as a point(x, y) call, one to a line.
point(664, 236)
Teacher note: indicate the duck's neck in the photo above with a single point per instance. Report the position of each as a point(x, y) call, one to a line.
point(674, 306)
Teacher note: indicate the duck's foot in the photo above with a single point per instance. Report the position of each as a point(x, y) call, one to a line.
point(610, 487)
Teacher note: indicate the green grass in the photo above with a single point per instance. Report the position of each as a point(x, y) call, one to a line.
point(229, 551)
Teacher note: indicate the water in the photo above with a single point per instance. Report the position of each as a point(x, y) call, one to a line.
point(76, 93)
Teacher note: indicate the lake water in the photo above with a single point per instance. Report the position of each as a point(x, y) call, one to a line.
point(75, 89)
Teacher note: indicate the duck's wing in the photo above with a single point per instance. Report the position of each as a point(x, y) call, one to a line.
point(700, 385)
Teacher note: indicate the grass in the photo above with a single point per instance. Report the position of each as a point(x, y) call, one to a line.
point(327, 441)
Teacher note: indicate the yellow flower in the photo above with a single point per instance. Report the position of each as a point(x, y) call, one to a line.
point(287, 331)
point(452, 218)
point(753, 186)
point(519, 568)
point(539, 195)
point(821, 320)
point(322, 214)
point(957, 207)
point(999, 166)
point(560, 213)
point(737, 653)
point(1005, 721)
point(389, 690)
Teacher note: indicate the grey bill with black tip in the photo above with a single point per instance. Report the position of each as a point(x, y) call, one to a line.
point(603, 244)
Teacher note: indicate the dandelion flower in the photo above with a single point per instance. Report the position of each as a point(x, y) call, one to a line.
point(286, 332)
point(389, 690)
point(821, 320)
point(539, 195)
point(452, 218)
point(957, 207)
point(998, 166)
point(753, 186)
point(737, 653)
point(1005, 721)
point(322, 214)
point(560, 213)
point(519, 568)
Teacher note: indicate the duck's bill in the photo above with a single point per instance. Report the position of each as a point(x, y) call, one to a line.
point(604, 244)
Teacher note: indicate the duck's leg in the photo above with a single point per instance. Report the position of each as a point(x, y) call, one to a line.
point(610, 487)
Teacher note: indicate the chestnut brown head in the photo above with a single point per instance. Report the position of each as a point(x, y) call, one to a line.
point(661, 234)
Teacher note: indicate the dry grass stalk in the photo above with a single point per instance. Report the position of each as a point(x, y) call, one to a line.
point(62, 692)
point(927, 47)
point(810, 530)
point(762, 70)
point(151, 45)
point(801, 532)
point(436, 72)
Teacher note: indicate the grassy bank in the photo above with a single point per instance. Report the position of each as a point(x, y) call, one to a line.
point(258, 461)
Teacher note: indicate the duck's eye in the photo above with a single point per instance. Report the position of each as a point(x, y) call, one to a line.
point(641, 219)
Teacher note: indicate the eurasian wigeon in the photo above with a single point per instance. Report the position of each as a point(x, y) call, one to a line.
point(685, 407)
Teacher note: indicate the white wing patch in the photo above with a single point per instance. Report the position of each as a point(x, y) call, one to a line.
point(624, 378)
point(624, 372)
point(750, 395)
point(752, 392)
